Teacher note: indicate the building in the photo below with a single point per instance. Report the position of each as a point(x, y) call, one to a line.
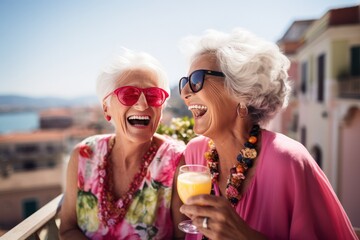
point(33, 164)
point(327, 58)
point(287, 121)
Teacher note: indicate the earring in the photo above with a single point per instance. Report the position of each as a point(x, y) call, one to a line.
point(242, 110)
point(108, 118)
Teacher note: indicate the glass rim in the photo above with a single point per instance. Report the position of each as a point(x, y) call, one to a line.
point(194, 165)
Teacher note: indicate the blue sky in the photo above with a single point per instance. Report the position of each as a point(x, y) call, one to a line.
point(57, 48)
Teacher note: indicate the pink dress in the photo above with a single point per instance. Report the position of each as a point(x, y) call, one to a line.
point(149, 215)
point(289, 196)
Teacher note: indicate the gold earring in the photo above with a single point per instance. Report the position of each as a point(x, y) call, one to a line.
point(242, 110)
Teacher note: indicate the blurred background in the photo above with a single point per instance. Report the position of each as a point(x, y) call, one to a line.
point(52, 51)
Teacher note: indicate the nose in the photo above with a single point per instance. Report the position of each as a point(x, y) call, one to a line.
point(141, 103)
point(186, 92)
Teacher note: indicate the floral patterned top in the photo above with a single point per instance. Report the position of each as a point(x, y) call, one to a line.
point(148, 215)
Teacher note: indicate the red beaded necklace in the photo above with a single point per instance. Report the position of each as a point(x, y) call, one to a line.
point(111, 211)
point(237, 175)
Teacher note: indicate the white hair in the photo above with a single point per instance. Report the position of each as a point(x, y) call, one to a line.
point(106, 81)
point(255, 70)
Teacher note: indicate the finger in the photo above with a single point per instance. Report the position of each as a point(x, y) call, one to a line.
point(207, 199)
point(203, 227)
point(193, 211)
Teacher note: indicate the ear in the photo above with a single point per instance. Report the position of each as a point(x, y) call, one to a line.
point(105, 112)
point(105, 108)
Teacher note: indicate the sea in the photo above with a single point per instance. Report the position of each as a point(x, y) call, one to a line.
point(18, 122)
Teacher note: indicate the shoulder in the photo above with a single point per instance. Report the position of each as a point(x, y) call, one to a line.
point(195, 149)
point(95, 138)
point(170, 150)
point(198, 141)
point(167, 143)
point(288, 155)
point(279, 145)
point(87, 147)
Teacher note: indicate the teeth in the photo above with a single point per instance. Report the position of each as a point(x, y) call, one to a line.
point(139, 117)
point(200, 107)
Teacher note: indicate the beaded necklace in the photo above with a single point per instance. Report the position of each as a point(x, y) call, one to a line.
point(111, 211)
point(237, 175)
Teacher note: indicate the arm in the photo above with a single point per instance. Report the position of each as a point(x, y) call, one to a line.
point(176, 204)
point(68, 226)
point(223, 221)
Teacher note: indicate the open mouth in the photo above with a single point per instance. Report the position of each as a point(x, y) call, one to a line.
point(198, 110)
point(136, 120)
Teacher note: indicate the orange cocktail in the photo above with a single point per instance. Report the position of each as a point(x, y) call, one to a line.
point(192, 180)
point(193, 183)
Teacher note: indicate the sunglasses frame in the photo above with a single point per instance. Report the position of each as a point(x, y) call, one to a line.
point(204, 72)
point(142, 90)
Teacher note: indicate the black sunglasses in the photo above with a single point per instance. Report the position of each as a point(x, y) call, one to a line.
point(196, 79)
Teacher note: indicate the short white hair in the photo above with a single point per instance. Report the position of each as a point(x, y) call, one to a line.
point(106, 81)
point(255, 70)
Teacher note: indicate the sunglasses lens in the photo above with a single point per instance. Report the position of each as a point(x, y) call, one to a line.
point(196, 81)
point(155, 97)
point(183, 81)
point(128, 95)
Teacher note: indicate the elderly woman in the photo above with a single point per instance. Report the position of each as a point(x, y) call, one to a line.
point(119, 186)
point(265, 185)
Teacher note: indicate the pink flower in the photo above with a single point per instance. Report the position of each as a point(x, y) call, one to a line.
point(165, 173)
point(85, 151)
point(231, 191)
point(123, 230)
point(81, 181)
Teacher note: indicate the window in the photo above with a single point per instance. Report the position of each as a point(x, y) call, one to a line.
point(50, 148)
point(29, 207)
point(303, 77)
point(321, 78)
point(27, 148)
point(29, 164)
point(316, 154)
point(303, 136)
point(355, 61)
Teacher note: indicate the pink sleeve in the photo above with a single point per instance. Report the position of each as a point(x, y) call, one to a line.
point(290, 197)
point(317, 212)
point(195, 149)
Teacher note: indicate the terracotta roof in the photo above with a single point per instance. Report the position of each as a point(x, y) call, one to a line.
point(342, 16)
point(36, 136)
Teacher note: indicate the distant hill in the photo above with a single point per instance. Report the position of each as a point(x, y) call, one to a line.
point(18, 103)
point(13, 103)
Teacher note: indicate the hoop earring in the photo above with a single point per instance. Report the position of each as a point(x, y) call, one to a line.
point(242, 110)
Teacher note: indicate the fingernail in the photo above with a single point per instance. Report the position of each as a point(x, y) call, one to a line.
point(181, 209)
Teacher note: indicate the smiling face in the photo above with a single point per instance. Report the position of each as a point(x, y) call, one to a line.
point(213, 109)
point(139, 121)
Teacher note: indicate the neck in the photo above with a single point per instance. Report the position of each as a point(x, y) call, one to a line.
point(127, 154)
point(229, 143)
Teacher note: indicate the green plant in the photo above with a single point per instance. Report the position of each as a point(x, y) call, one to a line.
point(179, 128)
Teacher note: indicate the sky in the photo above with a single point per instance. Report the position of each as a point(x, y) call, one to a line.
point(57, 48)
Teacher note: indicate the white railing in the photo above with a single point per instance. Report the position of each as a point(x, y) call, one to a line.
point(43, 224)
point(349, 87)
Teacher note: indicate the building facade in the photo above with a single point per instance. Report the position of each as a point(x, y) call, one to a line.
point(328, 109)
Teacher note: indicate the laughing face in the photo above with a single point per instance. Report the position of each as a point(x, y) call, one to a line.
point(139, 121)
point(213, 109)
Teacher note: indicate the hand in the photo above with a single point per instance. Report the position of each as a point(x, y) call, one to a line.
point(223, 221)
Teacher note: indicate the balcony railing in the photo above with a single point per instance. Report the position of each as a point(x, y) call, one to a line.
point(43, 224)
point(349, 87)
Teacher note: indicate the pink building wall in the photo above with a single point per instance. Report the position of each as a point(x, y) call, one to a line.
point(349, 165)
